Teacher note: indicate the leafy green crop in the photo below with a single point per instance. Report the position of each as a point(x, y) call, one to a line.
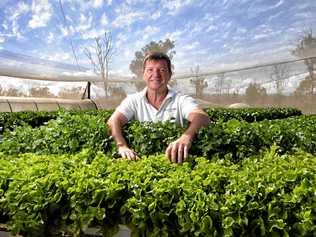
point(67, 134)
point(264, 195)
point(272, 196)
point(252, 114)
point(233, 139)
point(9, 121)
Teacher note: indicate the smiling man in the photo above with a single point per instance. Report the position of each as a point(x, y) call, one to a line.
point(158, 102)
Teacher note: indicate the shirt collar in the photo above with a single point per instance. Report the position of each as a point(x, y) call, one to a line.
point(171, 93)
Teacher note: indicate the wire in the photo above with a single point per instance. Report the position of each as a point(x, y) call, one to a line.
point(67, 27)
point(242, 69)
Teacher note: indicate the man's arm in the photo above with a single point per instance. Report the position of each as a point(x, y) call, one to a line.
point(115, 123)
point(178, 150)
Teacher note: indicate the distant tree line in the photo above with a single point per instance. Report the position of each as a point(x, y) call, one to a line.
point(72, 93)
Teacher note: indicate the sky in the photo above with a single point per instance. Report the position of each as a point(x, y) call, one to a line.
point(212, 34)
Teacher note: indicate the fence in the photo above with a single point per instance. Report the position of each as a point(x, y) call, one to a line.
point(286, 83)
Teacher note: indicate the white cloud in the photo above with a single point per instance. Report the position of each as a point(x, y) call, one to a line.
point(174, 6)
point(241, 30)
point(155, 15)
point(209, 18)
point(5, 25)
point(126, 16)
point(279, 3)
point(50, 38)
point(104, 20)
point(127, 19)
point(191, 46)
point(120, 40)
point(21, 9)
point(257, 9)
point(260, 36)
point(149, 31)
point(211, 28)
point(93, 33)
point(16, 30)
point(83, 5)
point(85, 23)
point(58, 57)
point(14, 14)
point(174, 35)
point(67, 31)
point(97, 3)
point(64, 31)
point(42, 12)
point(2, 39)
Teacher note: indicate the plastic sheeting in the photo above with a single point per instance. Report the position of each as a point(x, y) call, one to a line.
point(16, 104)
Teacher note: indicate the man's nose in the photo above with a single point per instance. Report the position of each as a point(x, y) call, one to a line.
point(156, 72)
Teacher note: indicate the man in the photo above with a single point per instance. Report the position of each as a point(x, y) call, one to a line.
point(158, 102)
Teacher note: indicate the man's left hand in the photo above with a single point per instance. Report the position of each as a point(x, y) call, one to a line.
point(178, 150)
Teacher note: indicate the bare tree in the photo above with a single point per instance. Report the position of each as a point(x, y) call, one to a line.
point(2, 91)
point(306, 49)
point(279, 72)
point(198, 81)
point(228, 85)
point(254, 93)
point(219, 83)
point(13, 92)
point(117, 92)
point(70, 93)
point(41, 92)
point(100, 57)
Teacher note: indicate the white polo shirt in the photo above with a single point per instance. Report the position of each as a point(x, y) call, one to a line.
point(175, 107)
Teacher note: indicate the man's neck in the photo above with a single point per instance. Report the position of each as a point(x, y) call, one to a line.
point(155, 98)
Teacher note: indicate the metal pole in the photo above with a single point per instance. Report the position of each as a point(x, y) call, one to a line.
point(89, 89)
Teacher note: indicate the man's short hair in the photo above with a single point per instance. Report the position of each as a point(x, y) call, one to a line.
point(157, 56)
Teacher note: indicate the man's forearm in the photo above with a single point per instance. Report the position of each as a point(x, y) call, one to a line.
point(116, 132)
point(117, 135)
point(197, 120)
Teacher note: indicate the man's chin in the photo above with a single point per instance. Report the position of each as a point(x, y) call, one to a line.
point(156, 86)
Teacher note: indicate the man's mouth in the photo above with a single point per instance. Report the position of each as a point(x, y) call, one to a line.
point(156, 80)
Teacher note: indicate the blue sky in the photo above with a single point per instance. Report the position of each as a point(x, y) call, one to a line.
point(212, 34)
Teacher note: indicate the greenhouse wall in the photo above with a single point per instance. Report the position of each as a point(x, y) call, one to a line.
point(16, 104)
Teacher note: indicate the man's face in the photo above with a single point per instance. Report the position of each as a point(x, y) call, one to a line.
point(156, 74)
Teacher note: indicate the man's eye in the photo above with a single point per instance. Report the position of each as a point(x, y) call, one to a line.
point(162, 70)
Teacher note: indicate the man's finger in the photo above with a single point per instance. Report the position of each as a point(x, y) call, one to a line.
point(168, 152)
point(132, 155)
point(180, 153)
point(127, 155)
point(123, 154)
point(136, 156)
point(186, 152)
point(174, 153)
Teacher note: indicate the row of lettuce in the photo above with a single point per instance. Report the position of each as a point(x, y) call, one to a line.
point(233, 139)
point(58, 195)
point(252, 173)
point(9, 121)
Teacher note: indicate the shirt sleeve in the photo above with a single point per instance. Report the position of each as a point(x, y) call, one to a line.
point(188, 104)
point(127, 107)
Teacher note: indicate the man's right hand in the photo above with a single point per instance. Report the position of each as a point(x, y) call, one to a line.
point(127, 153)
